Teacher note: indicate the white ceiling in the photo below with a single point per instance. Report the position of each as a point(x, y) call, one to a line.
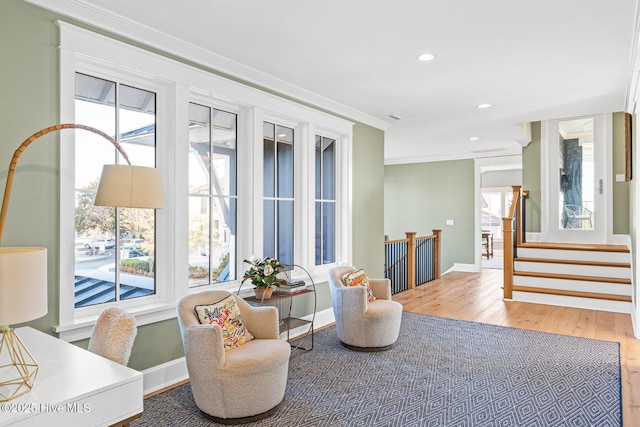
point(532, 60)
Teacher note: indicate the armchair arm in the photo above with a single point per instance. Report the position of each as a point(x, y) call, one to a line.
point(352, 301)
point(203, 347)
point(262, 322)
point(381, 288)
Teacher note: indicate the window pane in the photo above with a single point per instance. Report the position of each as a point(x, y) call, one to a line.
point(285, 232)
point(278, 213)
point(328, 232)
point(212, 188)
point(269, 238)
point(318, 167)
point(328, 169)
point(269, 167)
point(199, 148)
point(285, 162)
point(199, 246)
point(104, 235)
point(137, 252)
point(325, 200)
point(224, 152)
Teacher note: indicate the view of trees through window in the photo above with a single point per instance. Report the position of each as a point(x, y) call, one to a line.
point(114, 247)
point(212, 195)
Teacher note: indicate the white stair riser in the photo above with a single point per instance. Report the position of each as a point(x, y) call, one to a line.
point(573, 285)
point(576, 302)
point(574, 255)
point(574, 269)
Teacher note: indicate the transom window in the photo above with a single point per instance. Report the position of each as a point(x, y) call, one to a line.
point(212, 195)
point(114, 247)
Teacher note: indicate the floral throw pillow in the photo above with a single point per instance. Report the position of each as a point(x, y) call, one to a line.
point(225, 313)
point(358, 278)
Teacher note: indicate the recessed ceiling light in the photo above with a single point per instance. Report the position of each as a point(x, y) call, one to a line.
point(425, 57)
point(484, 105)
point(474, 138)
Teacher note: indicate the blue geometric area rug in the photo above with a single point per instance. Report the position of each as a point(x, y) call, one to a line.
point(441, 372)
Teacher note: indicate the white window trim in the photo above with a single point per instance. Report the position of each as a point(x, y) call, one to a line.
point(177, 84)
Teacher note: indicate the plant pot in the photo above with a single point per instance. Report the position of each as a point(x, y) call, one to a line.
point(263, 293)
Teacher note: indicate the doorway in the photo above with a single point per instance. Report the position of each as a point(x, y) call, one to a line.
point(575, 179)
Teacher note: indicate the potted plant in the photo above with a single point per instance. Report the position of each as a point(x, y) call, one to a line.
point(263, 274)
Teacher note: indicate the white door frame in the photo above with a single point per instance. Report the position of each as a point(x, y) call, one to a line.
point(603, 226)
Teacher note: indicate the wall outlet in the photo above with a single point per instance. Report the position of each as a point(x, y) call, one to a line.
point(620, 177)
point(450, 222)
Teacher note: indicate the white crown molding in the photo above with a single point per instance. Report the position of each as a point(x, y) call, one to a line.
point(126, 27)
point(448, 157)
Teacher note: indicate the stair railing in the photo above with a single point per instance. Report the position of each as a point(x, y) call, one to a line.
point(513, 228)
point(412, 261)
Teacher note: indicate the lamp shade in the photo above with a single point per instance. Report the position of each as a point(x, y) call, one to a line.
point(23, 284)
point(130, 187)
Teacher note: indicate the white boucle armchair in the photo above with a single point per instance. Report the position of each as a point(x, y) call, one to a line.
point(237, 385)
point(362, 325)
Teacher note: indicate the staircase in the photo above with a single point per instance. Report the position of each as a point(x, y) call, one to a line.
point(587, 276)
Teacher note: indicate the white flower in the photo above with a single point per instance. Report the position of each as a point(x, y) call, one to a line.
point(268, 270)
point(253, 259)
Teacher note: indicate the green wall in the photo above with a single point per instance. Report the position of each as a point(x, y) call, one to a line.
point(368, 201)
point(30, 101)
point(620, 189)
point(531, 178)
point(421, 197)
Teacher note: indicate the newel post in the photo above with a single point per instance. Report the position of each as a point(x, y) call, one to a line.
point(507, 227)
point(411, 259)
point(517, 195)
point(436, 253)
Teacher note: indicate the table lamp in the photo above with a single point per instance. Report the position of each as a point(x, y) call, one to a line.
point(23, 270)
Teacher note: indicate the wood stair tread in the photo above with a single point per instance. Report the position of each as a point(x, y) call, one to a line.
point(575, 262)
point(576, 246)
point(574, 277)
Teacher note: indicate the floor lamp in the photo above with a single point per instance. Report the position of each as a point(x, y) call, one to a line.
point(23, 270)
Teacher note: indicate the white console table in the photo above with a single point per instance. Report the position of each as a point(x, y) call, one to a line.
point(74, 387)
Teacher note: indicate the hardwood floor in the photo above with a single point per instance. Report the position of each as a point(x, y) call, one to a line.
point(477, 297)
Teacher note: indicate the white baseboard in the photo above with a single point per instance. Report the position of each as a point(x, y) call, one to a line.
point(172, 372)
point(467, 268)
point(164, 375)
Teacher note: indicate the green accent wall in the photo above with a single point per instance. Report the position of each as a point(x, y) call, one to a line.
point(368, 176)
point(620, 189)
point(29, 91)
point(421, 197)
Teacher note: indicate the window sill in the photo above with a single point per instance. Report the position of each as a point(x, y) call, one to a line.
point(83, 327)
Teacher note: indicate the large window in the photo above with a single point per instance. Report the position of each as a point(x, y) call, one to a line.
point(278, 190)
point(212, 195)
point(239, 172)
point(325, 196)
point(114, 247)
